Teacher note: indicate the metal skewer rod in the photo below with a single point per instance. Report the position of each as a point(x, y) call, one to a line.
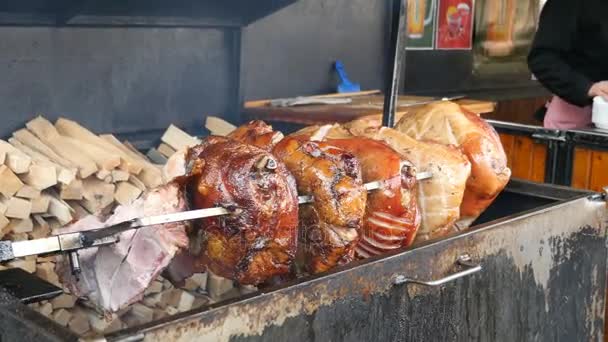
point(71, 242)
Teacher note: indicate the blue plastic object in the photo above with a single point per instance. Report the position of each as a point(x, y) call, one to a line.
point(345, 86)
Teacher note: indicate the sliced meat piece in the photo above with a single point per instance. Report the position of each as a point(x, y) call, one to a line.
point(114, 276)
point(257, 242)
point(449, 124)
point(330, 226)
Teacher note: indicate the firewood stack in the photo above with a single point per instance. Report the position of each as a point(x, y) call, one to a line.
point(52, 175)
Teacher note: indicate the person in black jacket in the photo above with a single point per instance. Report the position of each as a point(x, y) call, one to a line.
point(569, 57)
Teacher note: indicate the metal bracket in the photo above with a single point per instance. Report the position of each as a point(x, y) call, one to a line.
point(463, 260)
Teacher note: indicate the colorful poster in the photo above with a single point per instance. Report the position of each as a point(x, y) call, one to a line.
point(455, 24)
point(504, 32)
point(421, 24)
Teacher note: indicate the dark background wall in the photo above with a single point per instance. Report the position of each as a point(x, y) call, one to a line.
point(291, 52)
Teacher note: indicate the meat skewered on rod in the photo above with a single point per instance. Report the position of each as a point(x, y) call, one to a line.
point(71, 242)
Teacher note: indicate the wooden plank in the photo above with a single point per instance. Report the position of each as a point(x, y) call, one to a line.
point(120, 176)
point(41, 177)
point(64, 175)
point(156, 157)
point(47, 133)
point(18, 208)
point(9, 182)
point(522, 154)
point(73, 129)
point(126, 193)
point(28, 192)
point(581, 168)
point(599, 165)
point(218, 126)
point(264, 103)
point(177, 139)
point(4, 222)
point(150, 175)
point(19, 226)
point(166, 150)
point(16, 160)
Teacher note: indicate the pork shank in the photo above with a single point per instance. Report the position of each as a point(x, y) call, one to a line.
point(258, 241)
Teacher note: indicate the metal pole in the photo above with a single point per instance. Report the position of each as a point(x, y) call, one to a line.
point(395, 60)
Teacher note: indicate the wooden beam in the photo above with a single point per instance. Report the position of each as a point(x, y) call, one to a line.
point(150, 175)
point(166, 150)
point(126, 193)
point(72, 191)
point(218, 126)
point(60, 210)
point(16, 160)
point(64, 175)
point(28, 192)
point(103, 159)
point(40, 177)
point(40, 205)
point(97, 194)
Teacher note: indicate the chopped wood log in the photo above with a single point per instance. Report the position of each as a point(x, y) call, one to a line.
point(79, 323)
point(104, 175)
point(3, 202)
point(41, 228)
point(97, 194)
point(41, 176)
point(2, 157)
point(62, 317)
point(185, 302)
point(72, 191)
point(218, 126)
point(218, 286)
point(153, 300)
point(28, 192)
point(166, 150)
point(46, 271)
point(4, 222)
point(139, 314)
point(155, 287)
point(47, 133)
point(18, 208)
point(16, 160)
point(63, 301)
point(40, 205)
point(156, 157)
point(171, 310)
point(170, 297)
point(73, 129)
point(64, 175)
point(177, 139)
point(150, 174)
point(137, 183)
point(120, 176)
point(17, 236)
point(126, 193)
point(20, 225)
point(60, 210)
point(9, 182)
point(200, 279)
point(28, 265)
point(46, 309)
point(102, 324)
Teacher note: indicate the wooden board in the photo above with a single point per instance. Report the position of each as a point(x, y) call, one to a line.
point(526, 158)
point(364, 105)
point(589, 169)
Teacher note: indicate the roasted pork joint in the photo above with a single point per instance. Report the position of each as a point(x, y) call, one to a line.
point(257, 133)
point(258, 241)
point(447, 123)
point(392, 217)
point(329, 227)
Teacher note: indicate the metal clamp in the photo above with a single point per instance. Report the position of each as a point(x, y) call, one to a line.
point(463, 260)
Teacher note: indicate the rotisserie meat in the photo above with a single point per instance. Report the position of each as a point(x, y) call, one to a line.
point(258, 241)
point(439, 198)
point(257, 133)
point(329, 227)
point(447, 123)
point(116, 275)
point(392, 217)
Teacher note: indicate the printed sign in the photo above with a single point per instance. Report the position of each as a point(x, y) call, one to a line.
point(455, 24)
point(421, 24)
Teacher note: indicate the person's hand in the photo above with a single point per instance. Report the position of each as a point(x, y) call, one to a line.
point(599, 89)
